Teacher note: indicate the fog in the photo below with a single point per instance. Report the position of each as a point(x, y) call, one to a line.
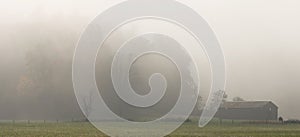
point(260, 40)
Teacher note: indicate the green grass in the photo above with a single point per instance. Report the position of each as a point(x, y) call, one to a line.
point(84, 129)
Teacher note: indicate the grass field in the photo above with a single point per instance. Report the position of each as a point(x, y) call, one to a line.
point(84, 129)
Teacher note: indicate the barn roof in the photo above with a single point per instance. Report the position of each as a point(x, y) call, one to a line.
point(246, 104)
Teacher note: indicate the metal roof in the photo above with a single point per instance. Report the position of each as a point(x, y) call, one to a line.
point(246, 104)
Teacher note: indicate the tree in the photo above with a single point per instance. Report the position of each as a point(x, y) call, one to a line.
point(225, 96)
point(200, 103)
point(281, 120)
point(236, 99)
point(48, 76)
point(87, 105)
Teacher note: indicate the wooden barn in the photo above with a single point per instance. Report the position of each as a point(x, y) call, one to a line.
point(248, 110)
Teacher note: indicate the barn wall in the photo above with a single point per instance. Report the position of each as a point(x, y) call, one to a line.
point(272, 111)
point(248, 113)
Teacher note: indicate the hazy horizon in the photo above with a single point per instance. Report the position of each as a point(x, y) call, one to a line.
point(259, 39)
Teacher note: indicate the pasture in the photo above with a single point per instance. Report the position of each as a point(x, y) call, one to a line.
point(190, 129)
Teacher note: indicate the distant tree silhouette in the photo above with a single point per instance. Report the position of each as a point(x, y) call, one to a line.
point(87, 105)
point(225, 96)
point(236, 99)
point(280, 119)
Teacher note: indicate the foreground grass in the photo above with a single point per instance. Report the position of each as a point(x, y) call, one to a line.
point(84, 129)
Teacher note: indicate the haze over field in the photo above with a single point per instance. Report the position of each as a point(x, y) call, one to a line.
point(260, 40)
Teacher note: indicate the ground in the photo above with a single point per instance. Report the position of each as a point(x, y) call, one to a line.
point(84, 129)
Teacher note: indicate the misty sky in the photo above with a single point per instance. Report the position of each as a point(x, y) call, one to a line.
point(260, 39)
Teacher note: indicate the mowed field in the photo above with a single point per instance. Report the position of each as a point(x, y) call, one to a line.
point(85, 129)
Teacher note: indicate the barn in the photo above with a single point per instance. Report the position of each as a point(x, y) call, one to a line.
point(248, 110)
